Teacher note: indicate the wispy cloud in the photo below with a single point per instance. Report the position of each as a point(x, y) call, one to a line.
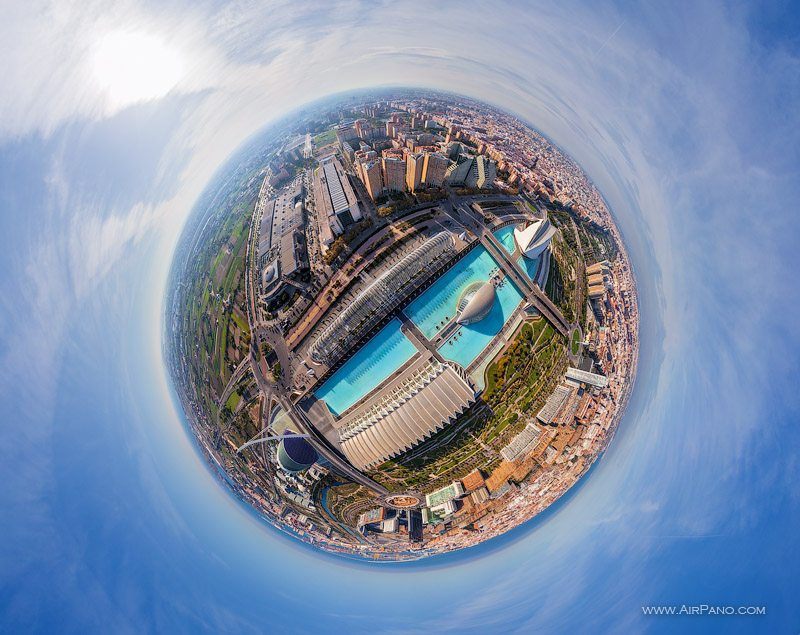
point(692, 140)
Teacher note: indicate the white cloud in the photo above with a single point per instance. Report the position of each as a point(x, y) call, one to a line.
point(50, 71)
point(663, 130)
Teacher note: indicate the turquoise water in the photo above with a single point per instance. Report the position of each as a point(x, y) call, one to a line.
point(437, 305)
point(470, 339)
point(374, 362)
point(529, 266)
point(506, 237)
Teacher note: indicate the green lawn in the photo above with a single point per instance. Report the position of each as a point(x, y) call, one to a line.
point(576, 341)
point(324, 138)
point(233, 401)
point(241, 323)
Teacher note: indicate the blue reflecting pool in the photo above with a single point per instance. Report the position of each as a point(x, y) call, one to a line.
point(470, 339)
point(505, 235)
point(437, 305)
point(529, 266)
point(387, 351)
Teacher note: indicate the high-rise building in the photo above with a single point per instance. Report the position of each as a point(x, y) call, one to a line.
point(361, 126)
point(434, 169)
point(453, 149)
point(348, 151)
point(365, 130)
point(397, 153)
point(487, 172)
point(414, 165)
point(394, 173)
point(372, 177)
point(477, 172)
point(365, 155)
point(346, 133)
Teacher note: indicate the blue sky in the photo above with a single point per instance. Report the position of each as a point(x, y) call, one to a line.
point(685, 116)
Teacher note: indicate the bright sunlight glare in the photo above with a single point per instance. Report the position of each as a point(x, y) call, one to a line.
point(135, 66)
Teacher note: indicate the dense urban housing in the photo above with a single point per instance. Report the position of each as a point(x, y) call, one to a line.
point(408, 326)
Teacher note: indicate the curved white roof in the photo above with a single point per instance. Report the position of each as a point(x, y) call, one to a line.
point(479, 304)
point(533, 240)
point(269, 274)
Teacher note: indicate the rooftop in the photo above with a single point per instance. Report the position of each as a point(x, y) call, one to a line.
point(479, 302)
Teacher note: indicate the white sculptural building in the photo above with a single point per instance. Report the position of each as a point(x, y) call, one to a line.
point(533, 239)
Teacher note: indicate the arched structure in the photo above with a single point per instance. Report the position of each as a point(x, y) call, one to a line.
point(534, 239)
point(476, 303)
point(380, 297)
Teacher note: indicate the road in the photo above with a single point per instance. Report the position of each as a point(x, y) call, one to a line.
point(532, 292)
point(241, 369)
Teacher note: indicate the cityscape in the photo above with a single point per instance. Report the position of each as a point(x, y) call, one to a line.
point(402, 324)
point(397, 318)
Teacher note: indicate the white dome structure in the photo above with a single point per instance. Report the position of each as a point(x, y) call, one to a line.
point(269, 274)
point(535, 238)
point(476, 303)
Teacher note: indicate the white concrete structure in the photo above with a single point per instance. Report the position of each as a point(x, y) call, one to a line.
point(476, 303)
point(585, 377)
point(381, 296)
point(334, 196)
point(422, 401)
point(534, 239)
point(522, 444)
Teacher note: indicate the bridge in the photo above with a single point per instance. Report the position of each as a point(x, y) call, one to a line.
point(258, 439)
point(240, 371)
point(533, 294)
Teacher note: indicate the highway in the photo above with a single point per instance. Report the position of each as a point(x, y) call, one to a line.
point(241, 369)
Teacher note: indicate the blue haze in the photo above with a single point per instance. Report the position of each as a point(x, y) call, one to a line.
point(687, 118)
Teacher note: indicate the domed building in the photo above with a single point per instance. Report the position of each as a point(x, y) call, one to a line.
point(295, 454)
point(476, 302)
point(270, 277)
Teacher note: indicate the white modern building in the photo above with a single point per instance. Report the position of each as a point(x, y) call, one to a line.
point(534, 239)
